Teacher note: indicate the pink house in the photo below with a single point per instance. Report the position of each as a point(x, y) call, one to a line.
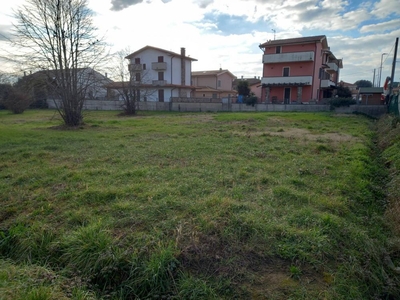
point(299, 70)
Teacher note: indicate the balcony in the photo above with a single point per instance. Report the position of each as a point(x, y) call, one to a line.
point(135, 67)
point(159, 66)
point(159, 82)
point(332, 68)
point(287, 81)
point(288, 57)
point(327, 83)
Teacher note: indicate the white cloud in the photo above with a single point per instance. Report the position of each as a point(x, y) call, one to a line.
point(384, 8)
point(381, 27)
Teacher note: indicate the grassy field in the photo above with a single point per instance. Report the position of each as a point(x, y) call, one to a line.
point(194, 206)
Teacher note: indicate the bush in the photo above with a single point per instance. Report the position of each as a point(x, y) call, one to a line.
point(339, 102)
point(251, 100)
point(16, 101)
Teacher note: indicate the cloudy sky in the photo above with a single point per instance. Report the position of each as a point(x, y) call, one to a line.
point(227, 33)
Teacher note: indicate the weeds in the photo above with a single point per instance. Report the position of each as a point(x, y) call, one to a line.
point(197, 206)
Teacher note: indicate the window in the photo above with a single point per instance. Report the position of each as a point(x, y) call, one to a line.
point(144, 66)
point(161, 59)
point(137, 60)
point(214, 96)
point(278, 49)
point(137, 77)
point(160, 75)
point(285, 71)
point(219, 83)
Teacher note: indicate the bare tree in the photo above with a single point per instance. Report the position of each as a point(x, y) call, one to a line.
point(58, 37)
point(133, 83)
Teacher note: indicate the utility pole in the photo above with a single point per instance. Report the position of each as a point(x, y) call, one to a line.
point(274, 33)
point(373, 79)
point(380, 70)
point(393, 66)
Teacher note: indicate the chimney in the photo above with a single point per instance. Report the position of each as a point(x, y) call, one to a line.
point(183, 71)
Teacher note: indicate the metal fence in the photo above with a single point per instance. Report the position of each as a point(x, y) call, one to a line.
point(394, 105)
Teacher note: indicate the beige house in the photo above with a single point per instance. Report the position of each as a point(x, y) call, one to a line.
point(213, 84)
point(352, 87)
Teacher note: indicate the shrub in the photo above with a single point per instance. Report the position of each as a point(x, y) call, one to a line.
point(16, 101)
point(339, 102)
point(251, 100)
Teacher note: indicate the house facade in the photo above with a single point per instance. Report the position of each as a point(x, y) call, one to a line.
point(162, 74)
point(299, 70)
point(213, 84)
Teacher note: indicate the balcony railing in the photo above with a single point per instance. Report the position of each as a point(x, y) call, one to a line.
point(159, 65)
point(287, 81)
point(327, 83)
point(288, 57)
point(159, 82)
point(135, 67)
point(332, 68)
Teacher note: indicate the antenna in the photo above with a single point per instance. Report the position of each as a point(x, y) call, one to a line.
point(274, 33)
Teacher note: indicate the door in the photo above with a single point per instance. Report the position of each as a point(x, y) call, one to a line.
point(286, 97)
point(161, 95)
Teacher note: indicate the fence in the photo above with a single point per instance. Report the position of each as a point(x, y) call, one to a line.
point(371, 110)
point(394, 105)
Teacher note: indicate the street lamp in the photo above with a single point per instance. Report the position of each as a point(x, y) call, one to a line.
point(380, 72)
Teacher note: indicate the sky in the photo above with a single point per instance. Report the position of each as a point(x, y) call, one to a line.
point(227, 33)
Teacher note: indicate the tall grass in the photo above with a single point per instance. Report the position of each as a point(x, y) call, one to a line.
point(197, 206)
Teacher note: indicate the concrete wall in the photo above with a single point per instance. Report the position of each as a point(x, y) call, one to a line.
point(371, 110)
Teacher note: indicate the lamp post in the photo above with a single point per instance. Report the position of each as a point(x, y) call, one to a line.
point(380, 70)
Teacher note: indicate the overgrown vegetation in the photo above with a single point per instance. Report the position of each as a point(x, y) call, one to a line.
point(389, 143)
point(15, 98)
point(195, 206)
point(339, 102)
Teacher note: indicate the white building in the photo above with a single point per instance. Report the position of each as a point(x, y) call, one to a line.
point(166, 74)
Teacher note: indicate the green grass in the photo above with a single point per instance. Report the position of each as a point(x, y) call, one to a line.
point(195, 206)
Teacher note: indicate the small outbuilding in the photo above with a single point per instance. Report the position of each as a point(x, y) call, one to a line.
point(370, 96)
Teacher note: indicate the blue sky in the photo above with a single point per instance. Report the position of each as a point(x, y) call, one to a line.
point(226, 33)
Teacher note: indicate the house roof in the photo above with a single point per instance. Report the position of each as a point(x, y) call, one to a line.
point(213, 90)
point(88, 74)
point(212, 73)
point(158, 49)
point(251, 81)
point(122, 84)
point(370, 90)
point(300, 40)
point(347, 83)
